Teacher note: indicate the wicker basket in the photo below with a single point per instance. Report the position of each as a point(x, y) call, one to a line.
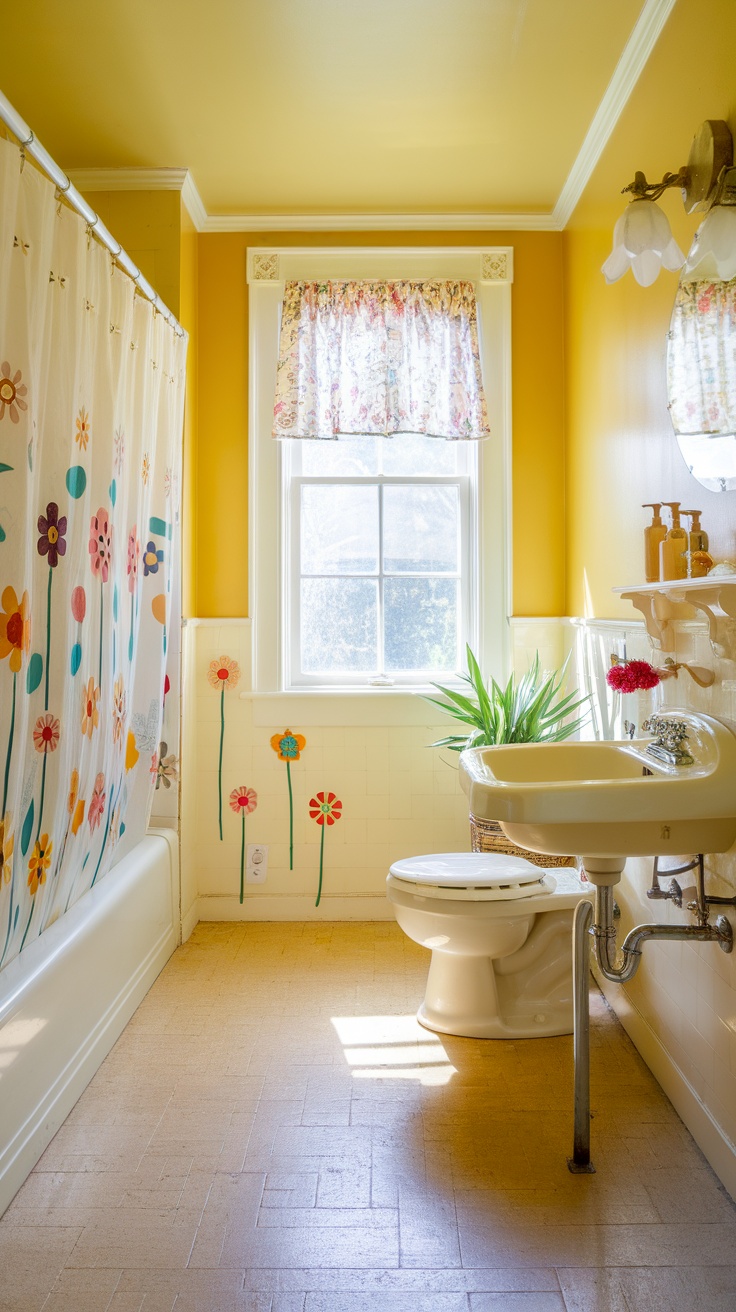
point(488, 836)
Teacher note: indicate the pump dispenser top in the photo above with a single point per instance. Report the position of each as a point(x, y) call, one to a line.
point(654, 533)
point(672, 559)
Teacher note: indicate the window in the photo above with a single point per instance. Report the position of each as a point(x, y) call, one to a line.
point(380, 585)
point(407, 613)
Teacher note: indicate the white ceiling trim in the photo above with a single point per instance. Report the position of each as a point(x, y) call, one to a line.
point(630, 66)
point(626, 74)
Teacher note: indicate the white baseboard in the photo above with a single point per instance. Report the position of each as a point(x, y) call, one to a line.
point(712, 1140)
point(85, 977)
point(331, 907)
point(189, 920)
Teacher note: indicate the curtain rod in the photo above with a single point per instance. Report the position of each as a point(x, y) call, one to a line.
point(29, 143)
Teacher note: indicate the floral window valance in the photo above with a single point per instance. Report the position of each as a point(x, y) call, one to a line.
point(379, 358)
point(701, 359)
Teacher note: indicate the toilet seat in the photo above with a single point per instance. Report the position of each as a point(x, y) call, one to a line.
point(473, 877)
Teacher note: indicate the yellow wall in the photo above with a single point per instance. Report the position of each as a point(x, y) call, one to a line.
point(147, 224)
point(188, 314)
point(620, 447)
point(221, 571)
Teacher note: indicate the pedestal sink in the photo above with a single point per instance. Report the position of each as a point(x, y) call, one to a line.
point(605, 801)
point(610, 799)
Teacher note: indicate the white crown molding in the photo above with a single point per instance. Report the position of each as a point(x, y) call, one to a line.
point(630, 66)
point(128, 179)
point(626, 74)
point(378, 223)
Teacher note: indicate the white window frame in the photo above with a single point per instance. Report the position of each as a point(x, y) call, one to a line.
point(491, 269)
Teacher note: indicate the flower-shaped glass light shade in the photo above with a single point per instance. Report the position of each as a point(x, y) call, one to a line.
point(714, 247)
point(642, 242)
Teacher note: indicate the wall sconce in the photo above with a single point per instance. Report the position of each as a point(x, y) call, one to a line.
point(642, 238)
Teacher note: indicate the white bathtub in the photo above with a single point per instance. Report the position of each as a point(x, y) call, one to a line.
point(67, 997)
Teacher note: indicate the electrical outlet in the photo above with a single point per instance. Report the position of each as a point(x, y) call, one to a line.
point(256, 863)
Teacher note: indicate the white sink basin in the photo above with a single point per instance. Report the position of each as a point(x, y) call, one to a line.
point(608, 799)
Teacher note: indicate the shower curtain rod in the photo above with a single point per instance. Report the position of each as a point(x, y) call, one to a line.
point(20, 129)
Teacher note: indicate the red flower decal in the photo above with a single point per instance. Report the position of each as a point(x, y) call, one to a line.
point(325, 808)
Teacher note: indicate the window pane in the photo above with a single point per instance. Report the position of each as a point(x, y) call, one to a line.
point(339, 529)
point(412, 454)
point(420, 529)
point(342, 459)
point(339, 622)
point(421, 624)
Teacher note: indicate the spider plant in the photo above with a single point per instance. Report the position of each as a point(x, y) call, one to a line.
point(527, 710)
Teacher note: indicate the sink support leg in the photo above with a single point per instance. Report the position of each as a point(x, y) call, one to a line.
point(580, 1163)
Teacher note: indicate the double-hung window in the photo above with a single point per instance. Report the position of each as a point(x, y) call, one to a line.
point(375, 558)
point(380, 585)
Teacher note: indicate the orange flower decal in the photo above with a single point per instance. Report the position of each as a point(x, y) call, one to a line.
point(90, 713)
point(12, 391)
point(223, 673)
point(325, 808)
point(15, 628)
point(288, 746)
point(39, 863)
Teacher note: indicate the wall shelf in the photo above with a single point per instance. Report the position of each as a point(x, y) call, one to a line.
point(711, 598)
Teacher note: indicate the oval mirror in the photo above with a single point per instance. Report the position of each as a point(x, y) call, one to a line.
point(701, 379)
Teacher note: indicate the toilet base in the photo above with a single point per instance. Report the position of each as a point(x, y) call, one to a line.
point(526, 995)
point(509, 1027)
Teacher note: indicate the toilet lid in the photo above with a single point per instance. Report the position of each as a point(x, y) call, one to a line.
point(504, 877)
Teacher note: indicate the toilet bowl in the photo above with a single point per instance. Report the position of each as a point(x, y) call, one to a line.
point(500, 933)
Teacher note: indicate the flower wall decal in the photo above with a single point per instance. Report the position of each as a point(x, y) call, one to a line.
point(289, 747)
point(243, 800)
point(326, 809)
point(222, 674)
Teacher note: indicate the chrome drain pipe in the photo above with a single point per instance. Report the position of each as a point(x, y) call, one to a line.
point(619, 966)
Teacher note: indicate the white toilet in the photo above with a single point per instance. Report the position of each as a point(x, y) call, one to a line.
point(500, 933)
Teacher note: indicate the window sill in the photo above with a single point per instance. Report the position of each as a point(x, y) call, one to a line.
point(377, 707)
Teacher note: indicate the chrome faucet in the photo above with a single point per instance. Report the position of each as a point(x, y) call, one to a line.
point(669, 736)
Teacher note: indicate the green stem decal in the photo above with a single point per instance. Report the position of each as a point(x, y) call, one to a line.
point(291, 817)
point(219, 768)
point(321, 862)
point(28, 925)
point(48, 639)
point(43, 793)
point(242, 859)
point(102, 603)
point(10, 751)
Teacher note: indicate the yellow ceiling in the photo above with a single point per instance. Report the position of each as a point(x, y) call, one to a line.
point(310, 106)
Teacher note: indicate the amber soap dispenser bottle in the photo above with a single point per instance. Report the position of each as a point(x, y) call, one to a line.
point(654, 533)
point(672, 558)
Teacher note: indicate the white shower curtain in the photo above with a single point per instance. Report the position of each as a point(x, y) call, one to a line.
point(91, 405)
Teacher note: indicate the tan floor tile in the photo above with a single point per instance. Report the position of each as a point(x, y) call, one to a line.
point(645, 1290)
point(227, 1157)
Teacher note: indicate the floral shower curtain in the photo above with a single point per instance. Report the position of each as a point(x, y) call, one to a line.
point(91, 403)
point(379, 358)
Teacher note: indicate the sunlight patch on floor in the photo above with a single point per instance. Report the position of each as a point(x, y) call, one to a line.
point(393, 1047)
